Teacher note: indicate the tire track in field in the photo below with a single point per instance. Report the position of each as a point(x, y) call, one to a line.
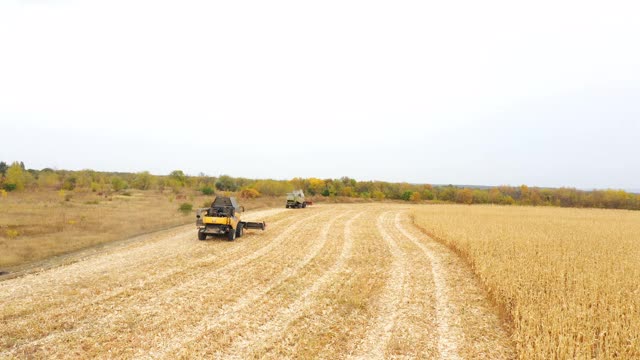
point(222, 283)
point(112, 316)
point(447, 336)
point(232, 313)
point(474, 323)
point(285, 316)
point(373, 346)
point(332, 327)
point(172, 271)
point(137, 284)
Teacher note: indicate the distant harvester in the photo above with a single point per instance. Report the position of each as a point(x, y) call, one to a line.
point(296, 199)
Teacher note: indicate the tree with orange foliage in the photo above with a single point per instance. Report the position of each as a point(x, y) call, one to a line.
point(465, 196)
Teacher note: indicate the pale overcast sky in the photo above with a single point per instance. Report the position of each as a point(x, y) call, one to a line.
point(545, 93)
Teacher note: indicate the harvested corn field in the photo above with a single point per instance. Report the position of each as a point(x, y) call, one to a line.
point(340, 281)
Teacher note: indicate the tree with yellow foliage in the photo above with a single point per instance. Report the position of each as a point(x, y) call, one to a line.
point(316, 186)
point(17, 178)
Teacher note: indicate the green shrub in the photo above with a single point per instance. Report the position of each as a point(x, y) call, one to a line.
point(143, 181)
point(95, 186)
point(185, 208)
point(118, 184)
point(69, 183)
point(10, 187)
point(226, 183)
point(207, 190)
point(406, 196)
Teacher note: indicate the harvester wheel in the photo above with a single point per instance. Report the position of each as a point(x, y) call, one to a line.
point(202, 235)
point(304, 205)
point(231, 235)
point(240, 230)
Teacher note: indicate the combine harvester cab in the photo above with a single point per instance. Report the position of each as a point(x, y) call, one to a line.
point(295, 200)
point(223, 218)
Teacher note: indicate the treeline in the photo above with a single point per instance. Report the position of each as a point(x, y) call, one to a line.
point(16, 177)
point(502, 195)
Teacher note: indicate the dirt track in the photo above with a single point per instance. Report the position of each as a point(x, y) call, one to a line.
point(345, 281)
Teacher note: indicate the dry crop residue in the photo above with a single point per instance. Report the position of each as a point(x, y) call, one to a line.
point(329, 281)
point(569, 279)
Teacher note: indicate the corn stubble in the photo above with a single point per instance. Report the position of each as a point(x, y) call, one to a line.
point(568, 279)
point(332, 281)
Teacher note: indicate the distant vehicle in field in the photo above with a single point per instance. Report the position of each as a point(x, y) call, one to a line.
point(296, 199)
point(223, 217)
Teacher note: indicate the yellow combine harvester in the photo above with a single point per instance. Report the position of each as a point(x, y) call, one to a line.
point(223, 217)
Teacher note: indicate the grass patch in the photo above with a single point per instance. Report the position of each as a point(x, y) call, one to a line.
point(48, 225)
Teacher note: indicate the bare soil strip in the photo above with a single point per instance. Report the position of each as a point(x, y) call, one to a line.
point(414, 334)
point(448, 337)
point(375, 343)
